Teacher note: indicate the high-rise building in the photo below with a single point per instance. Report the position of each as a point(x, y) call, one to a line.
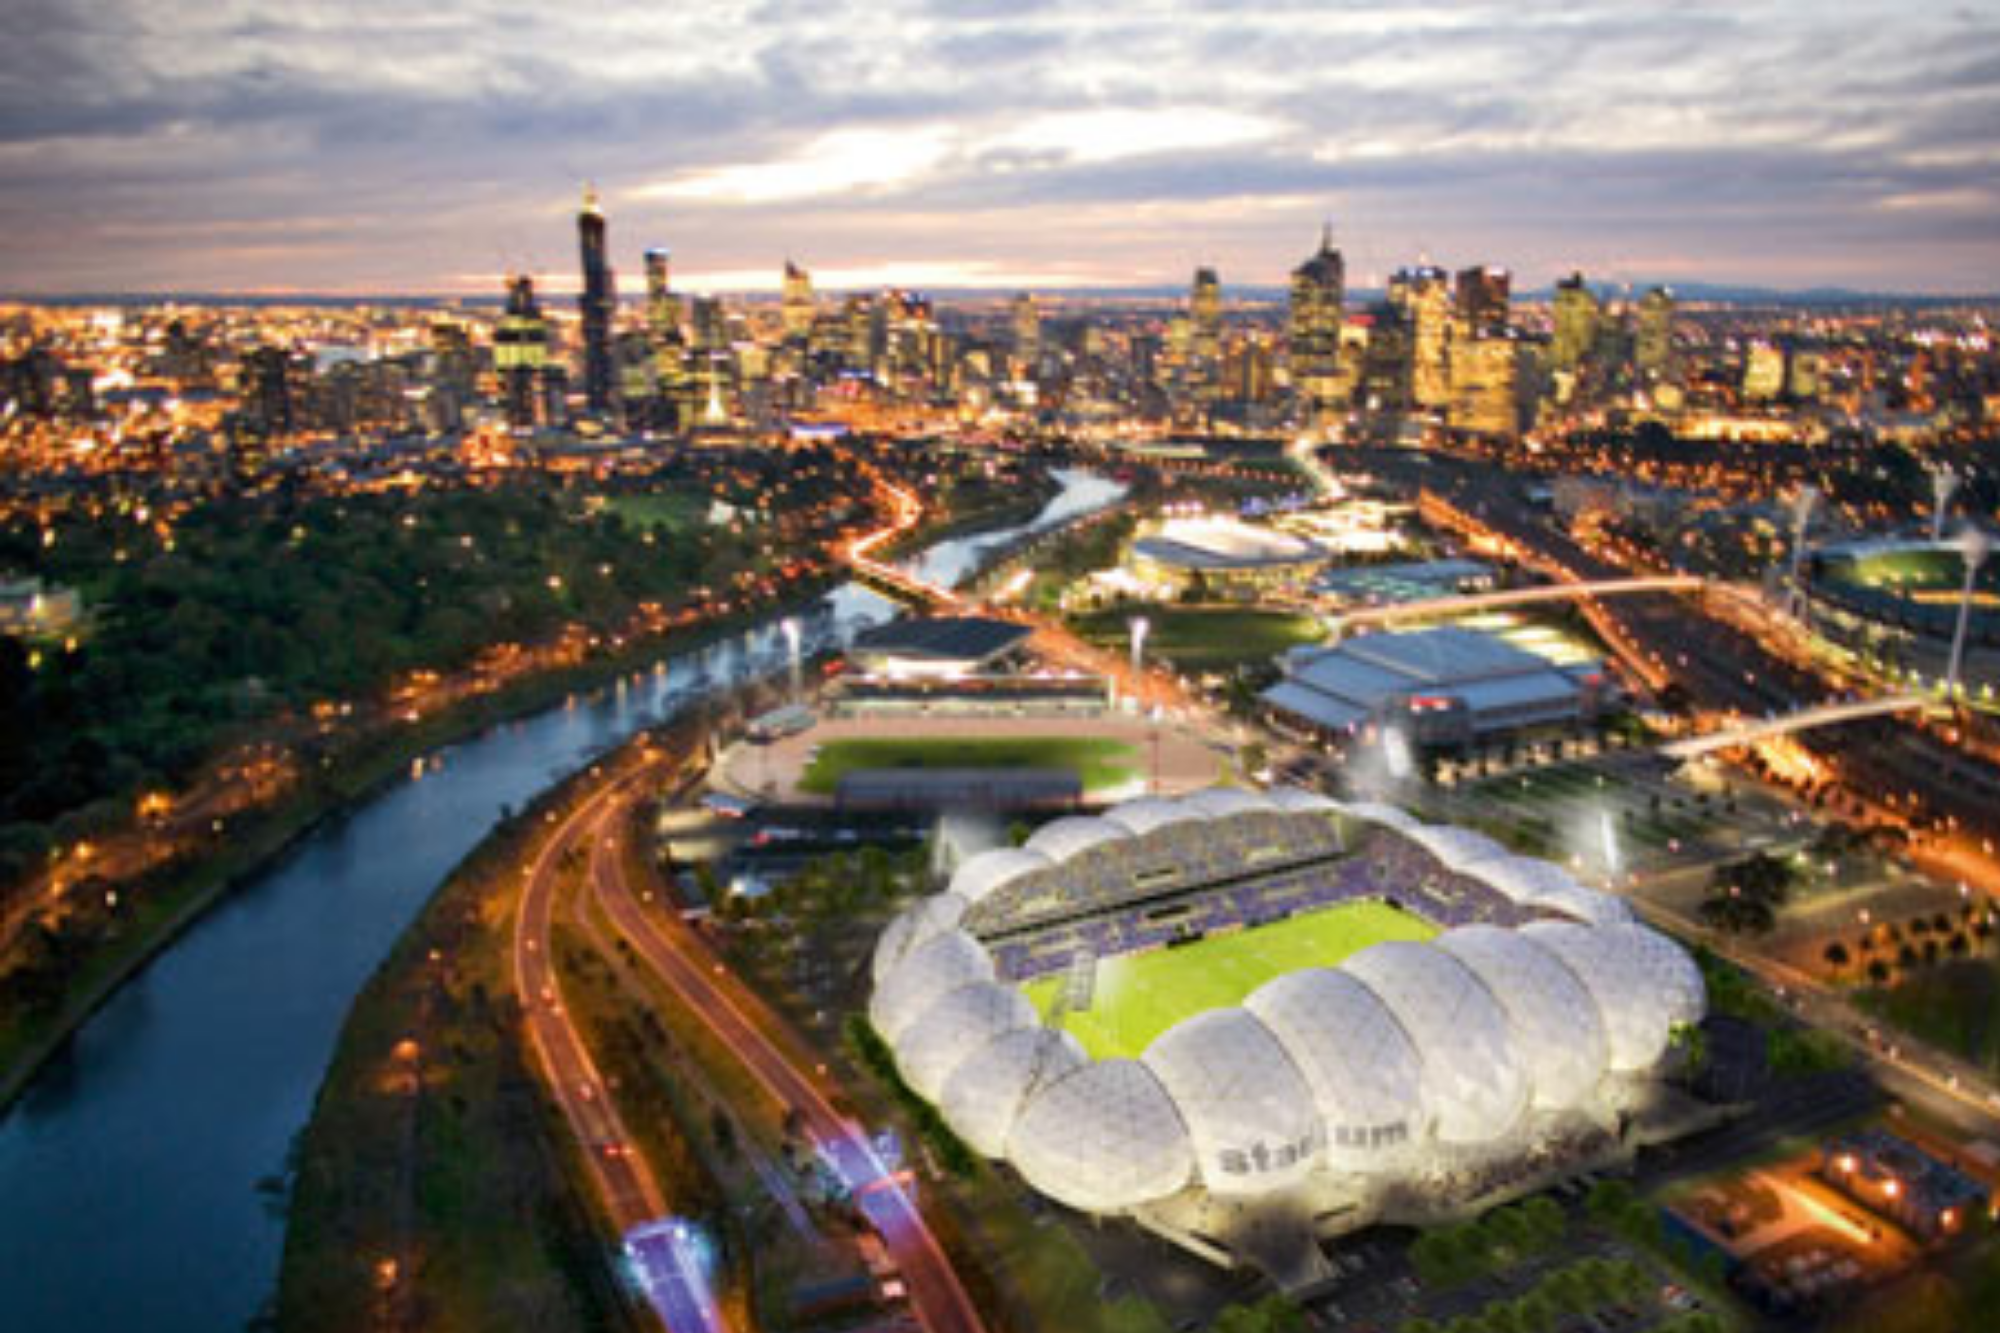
point(1026, 321)
point(1653, 341)
point(1423, 294)
point(521, 352)
point(1205, 334)
point(1313, 334)
point(268, 397)
point(597, 303)
point(1763, 372)
point(663, 307)
point(1483, 294)
point(1485, 385)
point(797, 307)
point(1575, 323)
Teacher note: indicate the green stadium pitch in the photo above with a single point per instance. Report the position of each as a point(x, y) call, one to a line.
point(1139, 996)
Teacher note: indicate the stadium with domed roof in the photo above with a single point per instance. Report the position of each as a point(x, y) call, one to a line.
point(1254, 1020)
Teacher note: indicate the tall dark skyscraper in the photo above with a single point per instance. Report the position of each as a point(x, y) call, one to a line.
point(663, 308)
point(1318, 288)
point(521, 352)
point(597, 302)
point(1483, 295)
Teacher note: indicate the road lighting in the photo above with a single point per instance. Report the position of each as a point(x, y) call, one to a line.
point(1973, 546)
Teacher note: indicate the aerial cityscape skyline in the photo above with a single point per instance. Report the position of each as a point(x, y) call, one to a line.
point(968, 145)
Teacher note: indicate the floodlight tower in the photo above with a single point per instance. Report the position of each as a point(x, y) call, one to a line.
point(790, 625)
point(1944, 482)
point(1974, 546)
point(1139, 627)
point(1802, 508)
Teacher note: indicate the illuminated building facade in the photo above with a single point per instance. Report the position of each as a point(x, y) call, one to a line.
point(1483, 295)
point(597, 304)
point(521, 353)
point(1318, 289)
point(1653, 342)
point(1575, 323)
point(797, 305)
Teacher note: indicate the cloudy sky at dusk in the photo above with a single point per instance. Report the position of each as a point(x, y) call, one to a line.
point(390, 146)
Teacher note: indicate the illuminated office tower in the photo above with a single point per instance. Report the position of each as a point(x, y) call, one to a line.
point(1763, 372)
point(1027, 330)
point(521, 352)
point(797, 307)
point(663, 307)
point(1653, 341)
point(1205, 333)
point(1806, 376)
point(1483, 294)
point(1423, 295)
point(1575, 321)
point(1485, 385)
point(597, 304)
point(1318, 287)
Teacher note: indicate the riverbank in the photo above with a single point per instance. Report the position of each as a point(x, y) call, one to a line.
point(162, 913)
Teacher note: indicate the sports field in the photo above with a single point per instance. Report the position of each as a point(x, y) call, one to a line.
point(1142, 995)
point(1101, 765)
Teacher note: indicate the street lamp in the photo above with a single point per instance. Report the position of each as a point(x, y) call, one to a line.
point(1139, 626)
point(790, 625)
point(1973, 546)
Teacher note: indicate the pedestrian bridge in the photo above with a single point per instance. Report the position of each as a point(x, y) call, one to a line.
point(1748, 733)
point(1469, 603)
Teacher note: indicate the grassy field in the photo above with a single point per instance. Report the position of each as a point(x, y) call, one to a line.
point(1142, 995)
point(1202, 637)
point(675, 512)
point(1102, 765)
point(1955, 1005)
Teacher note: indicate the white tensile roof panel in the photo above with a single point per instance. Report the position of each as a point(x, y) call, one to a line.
point(1557, 1032)
point(955, 1028)
point(1103, 1139)
point(988, 872)
point(1364, 1072)
point(1525, 879)
point(1247, 1108)
point(1637, 1019)
point(1474, 1085)
point(1222, 802)
point(1586, 905)
point(1297, 800)
point(984, 1096)
point(1060, 839)
point(1671, 970)
point(943, 963)
point(1457, 847)
point(1144, 814)
point(1375, 812)
point(923, 921)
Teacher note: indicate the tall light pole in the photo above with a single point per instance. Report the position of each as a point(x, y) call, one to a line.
point(1973, 545)
point(1138, 626)
point(1943, 483)
point(1802, 507)
point(790, 625)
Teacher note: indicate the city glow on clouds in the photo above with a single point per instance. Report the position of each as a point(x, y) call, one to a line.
point(370, 145)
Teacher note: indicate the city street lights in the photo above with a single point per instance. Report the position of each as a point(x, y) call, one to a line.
point(1802, 507)
point(1973, 546)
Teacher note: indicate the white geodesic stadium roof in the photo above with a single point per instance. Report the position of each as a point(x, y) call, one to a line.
point(1458, 848)
point(1374, 812)
point(1557, 1033)
point(1364, 1072)
point(1474, 1084)
point(1063, 838)
point(954, 1028)
point(1103, 1139)
point(1247, 1108)
point(1144, 814)
point(983, 1097)
point(1298, 801)
point(990, 871)
point(943, 963)
point(923, 921)
point(1638, 1016)
point(1361, 1068)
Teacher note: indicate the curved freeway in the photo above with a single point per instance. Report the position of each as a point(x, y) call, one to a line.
point(763, 1044)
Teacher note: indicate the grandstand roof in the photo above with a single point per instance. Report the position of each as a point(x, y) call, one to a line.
point(1212, 544)
point(943, 639)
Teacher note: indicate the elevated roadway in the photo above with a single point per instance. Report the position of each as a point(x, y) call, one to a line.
point(1471, 603)
point(1822, 715)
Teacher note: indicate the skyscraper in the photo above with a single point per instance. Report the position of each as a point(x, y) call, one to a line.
point(1424, 294)
point(663, 308)
point(1027, 331)
point(1575, 323)
point(798, 307)
point(1483, 293)
point(1653, 349)
point(597, 304)
point(1205, 333)
point(1318, 287)
point(521, 351)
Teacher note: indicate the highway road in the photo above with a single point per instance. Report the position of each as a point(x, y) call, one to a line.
point(763, 1044)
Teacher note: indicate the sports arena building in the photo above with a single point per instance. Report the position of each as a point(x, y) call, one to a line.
point(1224, 558)
point(1253, 1020)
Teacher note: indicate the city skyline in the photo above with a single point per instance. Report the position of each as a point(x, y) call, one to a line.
point(978, 146)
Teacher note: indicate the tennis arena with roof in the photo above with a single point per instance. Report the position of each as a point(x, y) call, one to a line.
point(1252, 1020)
